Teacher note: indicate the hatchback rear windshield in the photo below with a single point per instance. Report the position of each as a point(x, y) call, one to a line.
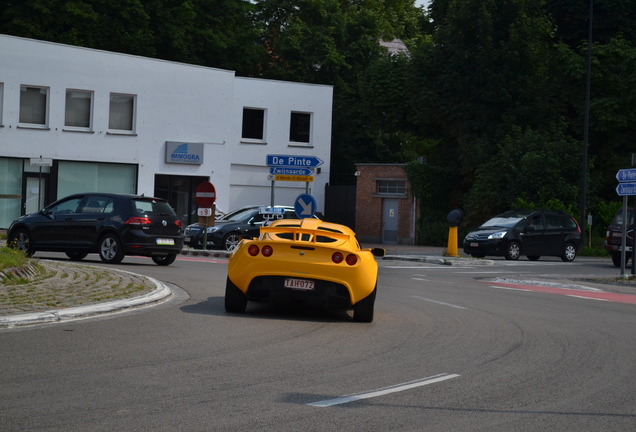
point(150, 206)
point(618, 217)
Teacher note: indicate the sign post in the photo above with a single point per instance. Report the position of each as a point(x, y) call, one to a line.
point(291, 168)
point(206, 197)
point(626, 187)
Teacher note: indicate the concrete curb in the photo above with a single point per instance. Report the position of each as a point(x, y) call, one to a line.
point(452, 261)
point(161, 292)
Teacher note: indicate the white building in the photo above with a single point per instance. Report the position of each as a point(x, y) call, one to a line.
point(77, 120)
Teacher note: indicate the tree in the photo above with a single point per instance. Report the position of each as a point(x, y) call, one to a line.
point(335, 42)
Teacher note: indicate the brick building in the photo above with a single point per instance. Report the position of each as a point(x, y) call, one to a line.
point(386, 211)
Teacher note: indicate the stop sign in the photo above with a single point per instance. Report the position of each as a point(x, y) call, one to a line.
point(205, 195)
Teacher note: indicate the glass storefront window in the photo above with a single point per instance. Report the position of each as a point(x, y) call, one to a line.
point(10, 190)
point(77, 177)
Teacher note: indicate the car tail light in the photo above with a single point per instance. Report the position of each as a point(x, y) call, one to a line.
point(337, 257)
point(253, 250)
point(178, 223)
point(138, 221)
point(352, 259)
point(267, 251)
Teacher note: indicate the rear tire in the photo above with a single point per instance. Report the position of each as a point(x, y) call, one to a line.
point(569, 253)
point(235, 300)
point(363, 310)
point(616, 258)
point(513, 251)
point(76, 256)
point(111, 250)
point(164, 260)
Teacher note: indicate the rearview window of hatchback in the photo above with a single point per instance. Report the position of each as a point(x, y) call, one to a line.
point(153, 207)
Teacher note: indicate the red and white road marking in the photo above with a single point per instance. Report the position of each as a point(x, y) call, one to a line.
point(589, 295)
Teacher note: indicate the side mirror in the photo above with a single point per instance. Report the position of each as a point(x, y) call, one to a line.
point(378, 252)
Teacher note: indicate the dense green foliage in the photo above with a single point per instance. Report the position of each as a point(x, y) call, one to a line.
point(487, 110)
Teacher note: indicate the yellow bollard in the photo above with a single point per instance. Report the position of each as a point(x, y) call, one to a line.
point(451, 250)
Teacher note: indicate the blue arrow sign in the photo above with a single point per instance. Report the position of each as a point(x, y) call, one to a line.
point(293, 161)
point(305, 206)
point(626, 189)
point(626, 175)
point(291, 171)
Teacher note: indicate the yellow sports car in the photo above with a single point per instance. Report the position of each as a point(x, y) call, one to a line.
point(304, 260)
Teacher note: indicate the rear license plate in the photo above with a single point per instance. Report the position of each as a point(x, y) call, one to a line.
point(474, 245)
point(299, 284)
point(187, 239)
point(162, 241)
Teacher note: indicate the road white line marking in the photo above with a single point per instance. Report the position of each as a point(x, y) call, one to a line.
point(484, 272)
point(510, 289)
point(420, 279)
point(383, 391)
point(412, 267)
point(587, 298)
point(439, 302)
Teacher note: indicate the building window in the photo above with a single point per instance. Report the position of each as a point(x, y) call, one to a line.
point(391, 187)
point(76, 177)
point(253, 124)
point(300, 127)
point(122, 112)
point(33, 105)
point(78, 109)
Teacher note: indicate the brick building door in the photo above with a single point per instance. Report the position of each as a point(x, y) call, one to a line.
point(389, 221)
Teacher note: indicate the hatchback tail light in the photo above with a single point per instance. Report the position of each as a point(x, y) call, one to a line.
point(178, 223)
point(138, 221)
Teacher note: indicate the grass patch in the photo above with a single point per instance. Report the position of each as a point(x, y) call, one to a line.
point(10, 258)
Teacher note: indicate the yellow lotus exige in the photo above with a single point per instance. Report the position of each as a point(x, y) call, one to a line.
point(304, 260)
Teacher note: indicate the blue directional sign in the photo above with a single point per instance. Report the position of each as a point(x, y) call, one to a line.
point(305, 206)
point(626, 189)
point(291, 171)
point(293, 161)
point(626, 175)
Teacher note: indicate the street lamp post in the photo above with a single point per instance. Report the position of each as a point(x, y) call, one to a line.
point(586, 122)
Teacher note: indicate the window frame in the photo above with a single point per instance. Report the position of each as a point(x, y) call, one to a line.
point(398, 188)
point(89, 127)
point(1, 103)
point(133, 115)
point(295, 124)
point(253, 125)
point(46, 104)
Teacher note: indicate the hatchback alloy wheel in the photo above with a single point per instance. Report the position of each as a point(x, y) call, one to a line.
point(513, 251)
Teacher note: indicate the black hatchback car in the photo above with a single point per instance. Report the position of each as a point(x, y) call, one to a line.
point(614, 236)
point(112, 225)
point(530, 233)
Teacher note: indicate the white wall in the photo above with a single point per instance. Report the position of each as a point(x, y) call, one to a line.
point(175, 102)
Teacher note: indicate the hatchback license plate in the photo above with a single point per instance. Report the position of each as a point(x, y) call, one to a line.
point(300, 284)
point(162, 241)
point(474, 245)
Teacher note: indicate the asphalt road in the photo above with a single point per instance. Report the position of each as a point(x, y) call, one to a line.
point(449, 350)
